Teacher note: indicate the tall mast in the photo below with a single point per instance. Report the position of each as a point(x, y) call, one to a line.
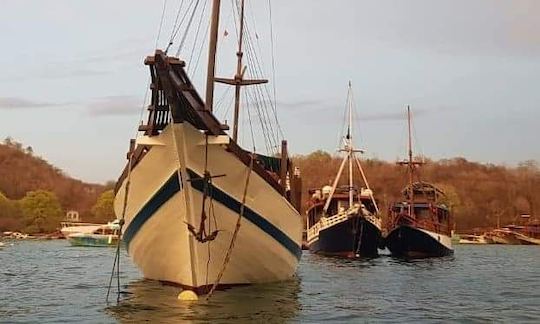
point(214, 28)
point(350, 152)
point(411, 165)
point(239, 74)
point(238, 81)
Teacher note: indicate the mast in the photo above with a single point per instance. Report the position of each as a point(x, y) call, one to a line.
point(350, 152)
point(239, 73)
point(350, 157)
point(411, 165)
point(214, 27)
point(238, 81)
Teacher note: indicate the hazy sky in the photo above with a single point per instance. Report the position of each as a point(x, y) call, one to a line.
point(72, 81)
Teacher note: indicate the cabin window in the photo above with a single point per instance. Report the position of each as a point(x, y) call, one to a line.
point(422, 212)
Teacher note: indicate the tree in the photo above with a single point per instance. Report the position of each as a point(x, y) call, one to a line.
point(10, 215)
point(42, 211)
point(103, 210)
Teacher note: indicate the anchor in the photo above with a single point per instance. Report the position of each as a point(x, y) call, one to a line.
point(200, 234)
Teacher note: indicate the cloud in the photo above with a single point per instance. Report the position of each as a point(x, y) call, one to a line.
point(115, 106)
point(22, 103)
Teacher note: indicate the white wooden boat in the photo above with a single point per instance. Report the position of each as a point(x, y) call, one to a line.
point(199, 210)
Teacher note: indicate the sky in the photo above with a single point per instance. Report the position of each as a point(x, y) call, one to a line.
point(73, 82)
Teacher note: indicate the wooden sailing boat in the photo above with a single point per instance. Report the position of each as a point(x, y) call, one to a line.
point(344, 221)
point(199, 210)
point(420, 226)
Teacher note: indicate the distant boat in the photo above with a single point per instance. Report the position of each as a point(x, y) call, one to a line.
point(68, 228)
point(103, 236)
point(472, 239)
point(420, 226)
point(505, 235)
point(529, 234)
point(344, 221)
point(200, 211)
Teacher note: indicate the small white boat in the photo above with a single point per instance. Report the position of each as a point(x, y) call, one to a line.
point(105, 235)
point(68, 228)
point(472, 239)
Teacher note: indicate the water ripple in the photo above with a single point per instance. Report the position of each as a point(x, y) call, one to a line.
point(53, 282)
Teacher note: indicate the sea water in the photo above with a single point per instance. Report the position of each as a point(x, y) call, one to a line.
point(51, 281)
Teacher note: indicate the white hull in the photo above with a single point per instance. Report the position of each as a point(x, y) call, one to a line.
point(473, 239)
point(443, 239)
point(527, 239)
point(69, 230)
point(162, 201)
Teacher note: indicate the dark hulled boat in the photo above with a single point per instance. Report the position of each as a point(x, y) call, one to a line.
point(420, 228)
point(349, 232)
point(344, 221)
point(420, 225)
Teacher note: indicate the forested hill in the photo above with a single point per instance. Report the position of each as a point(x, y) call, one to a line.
point(21, 171)
point(34, 195)
point(479, 194)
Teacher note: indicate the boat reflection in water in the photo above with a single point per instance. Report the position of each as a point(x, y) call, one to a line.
point(148, 299)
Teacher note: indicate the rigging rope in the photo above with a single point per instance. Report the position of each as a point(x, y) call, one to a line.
point(161, 22)
point(116, 262)
point(188, 27)
point(235, 233)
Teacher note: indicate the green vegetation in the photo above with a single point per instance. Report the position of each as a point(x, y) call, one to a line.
point(34, 195)
point(42, 211)
point(103, 209)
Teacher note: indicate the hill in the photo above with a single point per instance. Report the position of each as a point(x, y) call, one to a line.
point(21, 171)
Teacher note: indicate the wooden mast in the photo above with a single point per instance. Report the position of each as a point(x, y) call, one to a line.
point(350, 152)
point(411, 165)
point(214, 28)
point(239, 73)
point(238, 81)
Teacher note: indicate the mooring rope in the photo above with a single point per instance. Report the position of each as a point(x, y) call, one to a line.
point(235, 234)
point(116, 263)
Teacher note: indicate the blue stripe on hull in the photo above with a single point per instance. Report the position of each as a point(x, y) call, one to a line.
point(169, 189)
point(234, 205)
point(172, 186)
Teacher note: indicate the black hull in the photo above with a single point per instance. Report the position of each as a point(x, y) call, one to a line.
point(410, 242)
point(355, 237)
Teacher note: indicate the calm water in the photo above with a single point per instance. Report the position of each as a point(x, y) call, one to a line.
point(50, 281)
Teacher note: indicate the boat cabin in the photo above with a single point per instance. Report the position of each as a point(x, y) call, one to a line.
point(426, 211)
point(339, 202)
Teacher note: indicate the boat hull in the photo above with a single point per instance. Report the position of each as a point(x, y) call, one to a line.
point(354, 237)
point(166, 194)
point(527, 240)
point(508, 238)
point(93, 240)
point(411, 242)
